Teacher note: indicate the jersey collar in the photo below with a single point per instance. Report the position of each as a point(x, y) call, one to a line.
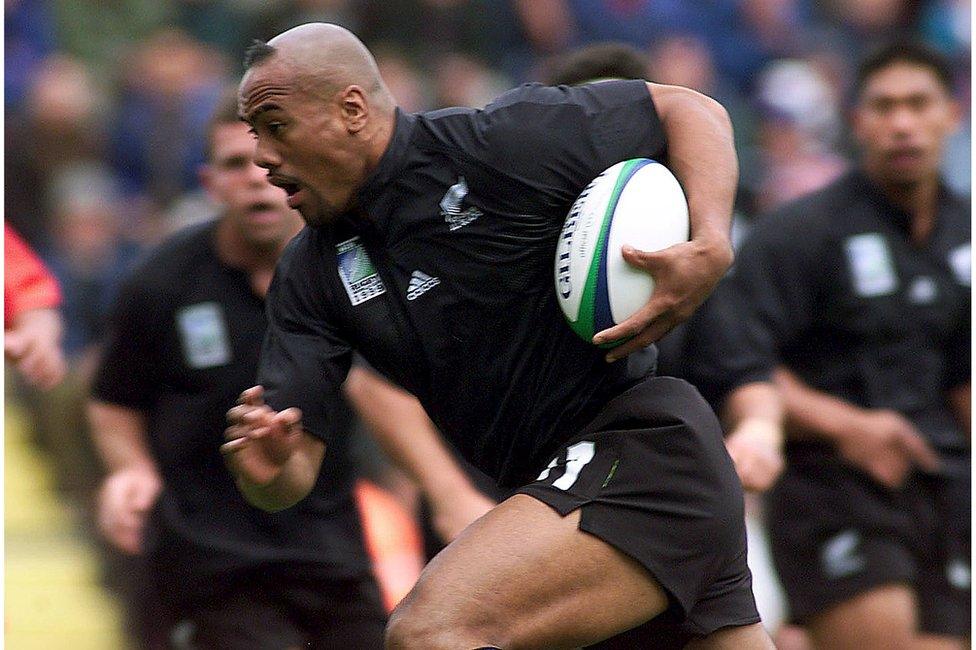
point(392, 161)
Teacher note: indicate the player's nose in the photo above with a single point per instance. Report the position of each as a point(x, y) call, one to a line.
point(265, 156)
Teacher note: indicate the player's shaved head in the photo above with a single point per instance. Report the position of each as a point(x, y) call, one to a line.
point(322, 58)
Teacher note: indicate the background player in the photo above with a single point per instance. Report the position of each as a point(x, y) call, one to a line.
point(329, 132)
point(863, 292)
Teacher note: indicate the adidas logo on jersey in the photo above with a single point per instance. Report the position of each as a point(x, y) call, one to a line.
point(451, 206)
point(420, 283)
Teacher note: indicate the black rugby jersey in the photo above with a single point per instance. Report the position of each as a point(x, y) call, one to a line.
point(443, 280)
point(850, 304)
point(183, 343)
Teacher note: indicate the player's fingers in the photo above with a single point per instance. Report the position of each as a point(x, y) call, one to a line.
point(233, 446)
point(920, 452)
point(253, 396)
point(659, 306)
point(236, 414)
point(645, 260)
point(658, 328)
point(289, 418)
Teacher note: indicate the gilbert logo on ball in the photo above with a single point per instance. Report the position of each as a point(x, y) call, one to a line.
point(637, 202)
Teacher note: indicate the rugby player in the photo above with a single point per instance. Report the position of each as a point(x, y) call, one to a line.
point(430, 251)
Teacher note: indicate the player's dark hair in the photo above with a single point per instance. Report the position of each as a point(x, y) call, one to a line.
point(257, 52)
point(600, 61)
point(225, 112)
point(903, 51)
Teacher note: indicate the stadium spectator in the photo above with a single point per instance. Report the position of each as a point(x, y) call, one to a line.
point(61, 125)
point(171, 84)
point(862, 290)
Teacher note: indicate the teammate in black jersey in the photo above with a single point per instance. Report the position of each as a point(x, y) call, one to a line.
point(430, 251)
point(863, 292)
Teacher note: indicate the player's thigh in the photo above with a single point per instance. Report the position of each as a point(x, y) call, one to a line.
point(884, 618)
point(523, 576)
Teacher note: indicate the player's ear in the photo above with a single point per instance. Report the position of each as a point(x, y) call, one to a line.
point(353, 108)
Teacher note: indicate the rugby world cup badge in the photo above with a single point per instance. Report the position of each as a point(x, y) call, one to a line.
point(357, 272)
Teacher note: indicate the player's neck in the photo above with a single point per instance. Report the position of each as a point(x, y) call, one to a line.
point(919, 200)
point(378, 141)
point(258, 261)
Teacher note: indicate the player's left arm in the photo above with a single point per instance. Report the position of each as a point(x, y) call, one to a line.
point(961, 402)
point(701, 154)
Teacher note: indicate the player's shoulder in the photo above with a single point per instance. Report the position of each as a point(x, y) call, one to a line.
point(590, 97)
point(163, 267)
point(807, 220)
point(957, 211)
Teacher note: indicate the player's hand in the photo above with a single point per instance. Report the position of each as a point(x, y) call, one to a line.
point(124, 503)
point(260, 441)
point(453, 515)
point(756, 448)
point(684, 275)
point(886, 445)
point(33, 344)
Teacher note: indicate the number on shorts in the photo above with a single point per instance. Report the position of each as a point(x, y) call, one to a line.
point(577, 457)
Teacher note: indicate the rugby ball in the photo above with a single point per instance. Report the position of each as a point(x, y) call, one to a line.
point(637, 202)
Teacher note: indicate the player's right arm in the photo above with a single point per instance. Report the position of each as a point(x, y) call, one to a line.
point(881, 442)
point(277, 432)
point(133, 482)
point(273, 459)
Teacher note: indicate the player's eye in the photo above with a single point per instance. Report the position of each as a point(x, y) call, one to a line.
point(236, 163)
point(275, 128)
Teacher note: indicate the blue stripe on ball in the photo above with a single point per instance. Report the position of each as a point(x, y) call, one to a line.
point(602, 317)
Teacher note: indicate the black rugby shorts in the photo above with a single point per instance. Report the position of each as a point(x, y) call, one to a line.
point(651, 477)
point(836, 533)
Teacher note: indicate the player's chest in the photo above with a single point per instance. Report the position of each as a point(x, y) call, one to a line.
point(887, 284)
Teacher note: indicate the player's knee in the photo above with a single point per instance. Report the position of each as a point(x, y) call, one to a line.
point(411, 627)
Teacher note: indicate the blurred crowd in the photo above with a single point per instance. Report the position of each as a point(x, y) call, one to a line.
point(107, 103)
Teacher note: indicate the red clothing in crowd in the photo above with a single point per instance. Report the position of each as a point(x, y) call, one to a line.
point(27, 284)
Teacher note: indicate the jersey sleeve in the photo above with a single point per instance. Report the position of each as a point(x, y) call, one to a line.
point(304, 359)
point(126, 371)
point(555, 140)
point(724, 348)
point(775, 278)
point(27, 283)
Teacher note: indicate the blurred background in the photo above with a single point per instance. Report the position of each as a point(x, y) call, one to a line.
point(106, 102)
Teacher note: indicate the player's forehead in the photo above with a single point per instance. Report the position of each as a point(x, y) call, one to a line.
point(264, 88)
point(902, 79)
point(231, 137)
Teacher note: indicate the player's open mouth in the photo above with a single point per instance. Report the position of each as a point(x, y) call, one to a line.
point(290, 187)
point(261, 209)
